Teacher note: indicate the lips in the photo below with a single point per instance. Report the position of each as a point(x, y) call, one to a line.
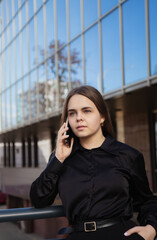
point(81, 127)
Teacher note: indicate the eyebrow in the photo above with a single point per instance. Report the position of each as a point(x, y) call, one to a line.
point(70, 110)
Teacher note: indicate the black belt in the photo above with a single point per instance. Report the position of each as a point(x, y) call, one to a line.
point(89, 226)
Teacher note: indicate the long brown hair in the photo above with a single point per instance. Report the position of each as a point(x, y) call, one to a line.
point(95, 96)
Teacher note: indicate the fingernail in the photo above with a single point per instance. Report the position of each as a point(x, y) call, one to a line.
point(125, 234)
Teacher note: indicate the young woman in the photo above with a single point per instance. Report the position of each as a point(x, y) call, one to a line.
point(100, 180)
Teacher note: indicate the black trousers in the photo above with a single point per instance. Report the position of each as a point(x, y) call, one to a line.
point(115, 232)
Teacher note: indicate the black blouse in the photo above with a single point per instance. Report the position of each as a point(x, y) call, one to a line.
point(103, 182)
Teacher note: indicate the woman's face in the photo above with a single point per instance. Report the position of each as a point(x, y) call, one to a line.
point(84, 118)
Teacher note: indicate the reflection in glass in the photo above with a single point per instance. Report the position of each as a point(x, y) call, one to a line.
point(19, 102)
point(61, 21)
point(16, 24)
point(3, 112)
point(33, 94)
point(92, 60)
point(107, 5)
point(39, 3)
point(10, 9)
point(16, 5)
point(135, 61)
point(75, 18)
point(12, 62)
point(90, 12)
point(18, 58)
point(13, 105)
point(30, 8)
point(23, 15)
point(24, 51)
point(4, 11)
point(40, 31)
point(111, 52)
point(76, 63)
point(8, 109)
point(7, 79)
point(32, 44)
point(26, 99)
point(153, 35)
point(50, 28)
point(42, 89)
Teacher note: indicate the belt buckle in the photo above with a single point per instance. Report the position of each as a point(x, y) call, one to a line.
point(86, 226)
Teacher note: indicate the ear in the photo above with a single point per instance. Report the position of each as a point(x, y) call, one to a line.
point(102, 120)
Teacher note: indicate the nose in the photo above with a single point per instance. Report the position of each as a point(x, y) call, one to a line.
point(79, 117)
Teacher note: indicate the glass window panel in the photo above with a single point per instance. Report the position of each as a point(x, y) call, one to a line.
point(33, 94)
point(107, 5)
point(26, 98)
point(50, 28)
point(32, 43)
point(90, 12)
point(16, 24)
point(3, 113)
point(75, 17)
point(2, 72)
point(11, 30)
point(23, 15)
point(24, 51)
point(76, 63)
point(7, 76)
point(12, 63)
point(16, 5)
point(39, 3)
point(5, 38)
point(18, 58)
point(30, 8)
point(153, 35)
point(92, 60)
point(19, 102)
point(61, 22)
point(51, 85)
point(13, 105)
point(42, 89)
point(135, 60)
point(111, 52)
point(4, 13)
point(41, 46)
point(10, 9)
point(8, 109)
point(63, 74)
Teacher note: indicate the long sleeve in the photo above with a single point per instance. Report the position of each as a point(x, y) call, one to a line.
point(143, 199)
point(45, 188)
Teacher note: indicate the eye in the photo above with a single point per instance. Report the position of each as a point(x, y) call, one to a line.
point(71, 114)
point(87, 111)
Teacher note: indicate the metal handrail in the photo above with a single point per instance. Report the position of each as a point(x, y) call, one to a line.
point(30, 213)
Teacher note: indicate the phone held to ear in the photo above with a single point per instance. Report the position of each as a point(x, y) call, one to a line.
point(69, 132)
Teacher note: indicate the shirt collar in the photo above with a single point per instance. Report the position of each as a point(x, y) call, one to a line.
point(109, 145)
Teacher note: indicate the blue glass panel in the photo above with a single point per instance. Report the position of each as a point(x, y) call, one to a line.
point(16, 24)
point(9, 9)
point(135, 60)
point(26, 98)
point(75, 17)
point(90, 12)
point(32, 44)
point(41, 46)
point(39, 3)
point(92, 60)
point(76, 63)
point(111, 52)
point(33, 94)
point(153, 35)
point(61, 22)
point(7, 79)
point(12, 62)
point(42, 89)
point(4, 13)
point(19, 102)
point(30, 8)
point(50, 28)
point(16, 5)
point(23, 15)
point(13, 105)
point(107, 5)
point(18, 58)
point(24, 51)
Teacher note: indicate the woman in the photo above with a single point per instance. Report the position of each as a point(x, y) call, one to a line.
point(100, 180)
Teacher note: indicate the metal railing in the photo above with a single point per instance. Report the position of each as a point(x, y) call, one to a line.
point(30, 213)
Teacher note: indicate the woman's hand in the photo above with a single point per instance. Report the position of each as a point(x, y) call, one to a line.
point(147, 232)
point(62, 148)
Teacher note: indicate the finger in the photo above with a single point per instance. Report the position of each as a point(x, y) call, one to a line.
point(131, 231)
point(72, 143)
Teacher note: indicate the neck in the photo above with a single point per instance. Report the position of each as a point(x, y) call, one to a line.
point(90, 143)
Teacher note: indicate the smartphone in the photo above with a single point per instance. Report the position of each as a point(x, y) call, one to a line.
point(69, 132)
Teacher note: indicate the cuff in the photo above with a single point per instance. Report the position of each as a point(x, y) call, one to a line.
point(54, 165)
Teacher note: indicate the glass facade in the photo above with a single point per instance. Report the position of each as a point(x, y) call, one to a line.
point(48, 47)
